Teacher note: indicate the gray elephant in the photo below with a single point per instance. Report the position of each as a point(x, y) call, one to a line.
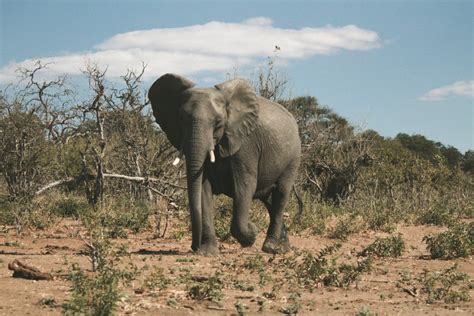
point(235, 143)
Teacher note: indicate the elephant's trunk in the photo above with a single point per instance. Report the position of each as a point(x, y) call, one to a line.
point(196, 150)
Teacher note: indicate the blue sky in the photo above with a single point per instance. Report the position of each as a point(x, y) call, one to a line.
point(392, 66)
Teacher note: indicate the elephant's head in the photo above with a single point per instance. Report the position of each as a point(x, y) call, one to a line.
point(199, 121)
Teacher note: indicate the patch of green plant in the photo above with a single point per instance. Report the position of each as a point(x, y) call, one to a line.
point(156, 279)
point(350, 273)
point(294, 305)
point(263, 277)
point(255, 263)
point(222, 219)
point(240, 308)
point(392, 246)
point(118, 217)
point(244, 286)
point(27, 214)
point(16, 244)
point(210, 289)
point(345, 227)
point(448, 285)
point(172, 302)
point(181, 229)
point(189, 259)
point(96, 294)
point(440, 216)
point(381, 221)
point(70, 206)
point(221, 225)
point(457, 242)
point(322, 268)
point(48, 301)
point(364, 311)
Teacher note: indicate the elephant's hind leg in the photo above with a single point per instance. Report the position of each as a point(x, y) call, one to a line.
point(277, 236)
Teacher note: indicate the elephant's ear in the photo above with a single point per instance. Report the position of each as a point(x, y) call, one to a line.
point(166, 97)
point(242, 114)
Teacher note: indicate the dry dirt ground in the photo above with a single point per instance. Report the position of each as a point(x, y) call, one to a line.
point(54, 251)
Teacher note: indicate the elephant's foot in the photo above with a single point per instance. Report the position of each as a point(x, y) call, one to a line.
point(277, 246)
point(273, 246)
point(208, 248)
point(245, 237)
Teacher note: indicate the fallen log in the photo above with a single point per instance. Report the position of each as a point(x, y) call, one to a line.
point(26, 271)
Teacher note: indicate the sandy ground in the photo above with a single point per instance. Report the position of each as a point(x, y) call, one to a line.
point(54, 251)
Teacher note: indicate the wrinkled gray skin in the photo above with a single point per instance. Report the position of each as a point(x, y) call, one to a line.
point(257, 155)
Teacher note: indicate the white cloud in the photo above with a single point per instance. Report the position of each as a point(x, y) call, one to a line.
point(459, 88)
point(212, 47)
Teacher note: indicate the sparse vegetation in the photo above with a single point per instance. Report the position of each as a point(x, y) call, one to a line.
point(346, 227)
point(156, 279)
point(99, 161)
point(316, 270)
point(448, 285)
point(97, 294)
point(294, 304)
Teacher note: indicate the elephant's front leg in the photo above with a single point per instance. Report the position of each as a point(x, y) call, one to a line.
point(208, 239)
point(242, 228)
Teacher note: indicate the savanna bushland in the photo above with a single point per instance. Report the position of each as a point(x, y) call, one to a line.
point(88, 194)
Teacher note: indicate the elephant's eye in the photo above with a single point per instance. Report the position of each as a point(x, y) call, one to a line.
point(220, 124)
point(219, 129)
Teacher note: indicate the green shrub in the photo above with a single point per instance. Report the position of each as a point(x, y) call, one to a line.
point(118, 216)
point(156, 280)
point(222, 222)
point(70, 206)
point(314, 217)
point(364, 311)
point(210, 289)
point(98, 293)
point(436, 216)
point(392, 246)
point(346, 227)
point(322, 268)
point(48, 301)
point(382, 220)
point(294, 305)
point(457, 242)
point(240, 308)
point(244, 286)
point(255, 263)
point(27, 214)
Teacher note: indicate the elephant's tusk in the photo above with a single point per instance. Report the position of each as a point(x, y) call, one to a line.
point(176, 161)
point(212, 156)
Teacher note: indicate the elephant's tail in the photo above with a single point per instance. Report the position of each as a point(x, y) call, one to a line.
point(297, 218)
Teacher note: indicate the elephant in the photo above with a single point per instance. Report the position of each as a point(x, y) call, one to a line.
point(235, 143)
